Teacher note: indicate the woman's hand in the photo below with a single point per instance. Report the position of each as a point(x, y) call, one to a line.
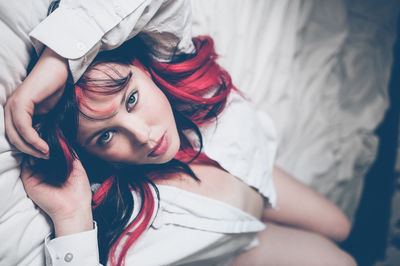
point(69, 206)
point(38, 93)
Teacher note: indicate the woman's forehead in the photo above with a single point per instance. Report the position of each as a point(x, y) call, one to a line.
point(98, 101)
point(103, 69)
point(104, 88)
point(108, 70)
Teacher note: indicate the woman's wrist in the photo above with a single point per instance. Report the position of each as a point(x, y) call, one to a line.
point(58, 63)
point(80, 222)
point(50, 73)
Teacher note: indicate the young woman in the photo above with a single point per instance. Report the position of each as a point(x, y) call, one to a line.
point(181, 169)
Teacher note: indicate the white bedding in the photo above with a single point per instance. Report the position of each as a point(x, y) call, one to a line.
point(319, 68)
point(19, 220)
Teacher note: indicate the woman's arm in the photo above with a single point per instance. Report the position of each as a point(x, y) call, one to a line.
point(79, 30)
point(76, 32)
point(37, 94)
point(302, 207)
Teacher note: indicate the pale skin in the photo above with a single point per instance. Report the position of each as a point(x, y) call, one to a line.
point(301, 231)
point(38, 93)
point(70, 205)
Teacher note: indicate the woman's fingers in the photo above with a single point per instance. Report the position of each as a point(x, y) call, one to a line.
point(21, 145)
point(38, 93)
point(23, 124)
point(21, 134)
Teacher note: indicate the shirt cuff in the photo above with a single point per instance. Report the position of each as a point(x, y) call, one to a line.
point(76, 26)
point(79, 30)
point(74, 249)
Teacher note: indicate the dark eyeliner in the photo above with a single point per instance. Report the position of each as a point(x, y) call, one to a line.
point(98, 140)
point(127, 104)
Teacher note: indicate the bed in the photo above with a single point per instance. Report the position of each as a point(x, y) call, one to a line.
point(320, 69)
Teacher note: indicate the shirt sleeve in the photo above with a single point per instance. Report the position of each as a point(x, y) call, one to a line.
point(76, 249)
point(79, 30)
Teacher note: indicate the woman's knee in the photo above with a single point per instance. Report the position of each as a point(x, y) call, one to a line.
point(333, 255)
point(348, 260)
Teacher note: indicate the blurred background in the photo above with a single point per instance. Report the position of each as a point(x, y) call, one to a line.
point(327, 73)
point(375, 239)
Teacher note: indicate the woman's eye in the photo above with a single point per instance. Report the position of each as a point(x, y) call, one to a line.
point(105, 138)
point(132, 100)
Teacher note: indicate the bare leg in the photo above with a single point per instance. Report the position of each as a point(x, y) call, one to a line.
point(282, 245)
point(301, 207)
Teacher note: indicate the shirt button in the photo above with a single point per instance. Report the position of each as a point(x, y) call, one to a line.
point(68, 257)
point(118, 9)
point(80, 46)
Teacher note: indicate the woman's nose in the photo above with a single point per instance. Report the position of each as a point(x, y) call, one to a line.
point(139, 131)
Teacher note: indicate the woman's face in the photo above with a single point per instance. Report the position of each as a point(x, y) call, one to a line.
point(135, 125)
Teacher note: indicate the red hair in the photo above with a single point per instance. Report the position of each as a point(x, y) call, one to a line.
point(197, 89)
point(204, 77)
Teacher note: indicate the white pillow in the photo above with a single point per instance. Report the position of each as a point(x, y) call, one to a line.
point(22, 227)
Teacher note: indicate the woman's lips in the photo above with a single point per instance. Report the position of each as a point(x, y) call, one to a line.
point(161, 147)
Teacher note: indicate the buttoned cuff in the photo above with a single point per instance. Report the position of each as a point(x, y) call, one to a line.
point(78, 30)
point(76, 26)
point(70, 250)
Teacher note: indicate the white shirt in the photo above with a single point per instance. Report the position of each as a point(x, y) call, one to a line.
point(191, 228)
point(188, 228)
point(79, 30)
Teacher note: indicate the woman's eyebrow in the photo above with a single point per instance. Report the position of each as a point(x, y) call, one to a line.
point(89, 139)
point(108, 117)
point(121, 103)
point(97, 119)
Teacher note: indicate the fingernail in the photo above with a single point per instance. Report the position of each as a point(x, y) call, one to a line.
point(44, 156)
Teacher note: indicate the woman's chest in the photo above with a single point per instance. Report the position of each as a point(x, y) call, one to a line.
point(219, 185)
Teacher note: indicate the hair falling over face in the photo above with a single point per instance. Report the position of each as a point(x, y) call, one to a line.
point(197, 89)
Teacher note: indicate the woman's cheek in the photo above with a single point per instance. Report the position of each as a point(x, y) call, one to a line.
point(110, 154)
point(119, 153)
